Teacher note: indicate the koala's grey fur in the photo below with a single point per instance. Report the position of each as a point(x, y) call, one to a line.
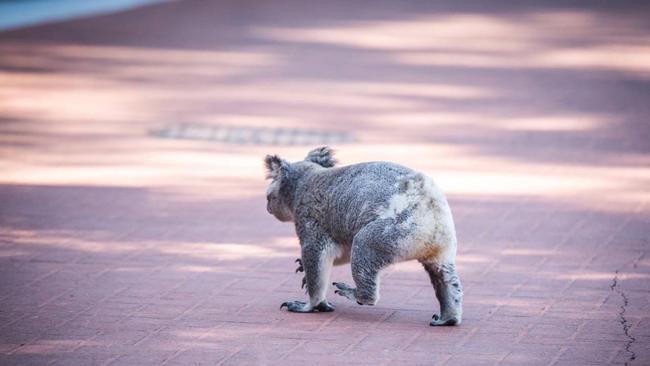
point(370, 214)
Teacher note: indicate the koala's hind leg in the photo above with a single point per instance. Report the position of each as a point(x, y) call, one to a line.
point(449, 292)
point(369, 257)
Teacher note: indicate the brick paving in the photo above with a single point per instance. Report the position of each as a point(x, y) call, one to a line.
point(121, 248)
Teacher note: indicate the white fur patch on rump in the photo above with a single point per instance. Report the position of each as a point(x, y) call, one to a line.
point(428, 231)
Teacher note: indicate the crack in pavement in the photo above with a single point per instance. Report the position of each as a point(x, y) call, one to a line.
point(621, 315)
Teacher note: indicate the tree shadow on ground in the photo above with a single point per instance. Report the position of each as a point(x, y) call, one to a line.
point(83, 255)
point(529, 82)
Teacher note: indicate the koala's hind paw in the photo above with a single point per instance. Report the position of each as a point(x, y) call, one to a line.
point(303, 307)
point(346, 291)
point(436, 321)
point(353, 294)
point(300, 267)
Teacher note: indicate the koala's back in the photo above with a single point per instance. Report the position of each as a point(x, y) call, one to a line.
point(366, 182)
point(405, 205)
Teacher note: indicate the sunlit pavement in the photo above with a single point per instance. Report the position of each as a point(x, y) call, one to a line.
point(119, 246)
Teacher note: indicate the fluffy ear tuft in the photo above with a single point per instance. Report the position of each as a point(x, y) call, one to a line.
point(273, 165)
point(323, 156)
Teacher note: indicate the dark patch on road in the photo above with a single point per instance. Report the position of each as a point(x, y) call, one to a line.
point(242, 135)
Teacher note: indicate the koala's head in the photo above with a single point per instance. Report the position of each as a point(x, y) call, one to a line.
point(284, 176)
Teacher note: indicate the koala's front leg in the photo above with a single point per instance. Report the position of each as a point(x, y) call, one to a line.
point(317, 263)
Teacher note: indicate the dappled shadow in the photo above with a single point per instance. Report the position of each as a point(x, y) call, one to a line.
point(530, 82)
point(152, 254)
point(530, 116)
point(132, 214)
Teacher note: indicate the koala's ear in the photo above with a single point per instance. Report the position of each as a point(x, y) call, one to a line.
point(274, 166)
point(323, 156)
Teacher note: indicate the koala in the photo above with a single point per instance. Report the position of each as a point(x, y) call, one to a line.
point(370, 215)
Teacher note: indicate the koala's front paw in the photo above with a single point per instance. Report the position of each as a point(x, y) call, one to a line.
point(300, 267)
point(324, 307)
point(437, 321)
point(303, 307)
point(297, 306)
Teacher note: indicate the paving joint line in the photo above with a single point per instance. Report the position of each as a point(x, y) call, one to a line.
point(157, 330)
point(354, 344)
point(110, 360)
point(467, 337)
point(295, 347)
point(557, 356)
point(237, 350)
point(328, 321)
point(410, 341)
point(164, 362)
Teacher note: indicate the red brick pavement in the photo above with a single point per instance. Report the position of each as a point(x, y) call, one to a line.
point(120, 248)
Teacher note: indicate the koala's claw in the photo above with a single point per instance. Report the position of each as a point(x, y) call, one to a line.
point(342, 286)
point(436, 321)
point(345, 291)
point(296, 306)
point(300, 267)
point(303, 307)
point(304, 282)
